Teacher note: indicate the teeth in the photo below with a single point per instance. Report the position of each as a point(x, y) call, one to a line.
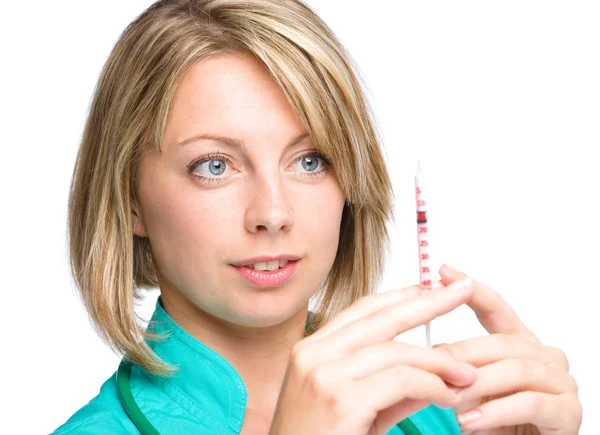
point(271, 265)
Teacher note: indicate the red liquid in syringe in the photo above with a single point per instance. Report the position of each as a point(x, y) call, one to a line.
point(423, 242)
point(422, 233)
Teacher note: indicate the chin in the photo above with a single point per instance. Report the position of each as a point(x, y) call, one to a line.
point(264, 315)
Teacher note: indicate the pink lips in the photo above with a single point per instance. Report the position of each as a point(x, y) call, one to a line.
point(265, 278)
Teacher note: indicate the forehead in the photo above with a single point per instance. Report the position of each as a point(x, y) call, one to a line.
point(230, 95)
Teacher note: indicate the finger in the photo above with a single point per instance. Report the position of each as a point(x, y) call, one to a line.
point(557, 412)
point(388, 387)
point(481, 351)
point(370, 360)
point(391, 321)
point(368, 305)
point(492, 311)
point(516, 375)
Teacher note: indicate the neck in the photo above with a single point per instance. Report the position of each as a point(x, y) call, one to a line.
point(259, 354)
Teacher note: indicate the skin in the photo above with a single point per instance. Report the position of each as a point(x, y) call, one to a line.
point(266, 205)
point(522, 386)
point(196, 232)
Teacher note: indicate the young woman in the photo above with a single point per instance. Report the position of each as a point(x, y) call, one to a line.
point(230, 159)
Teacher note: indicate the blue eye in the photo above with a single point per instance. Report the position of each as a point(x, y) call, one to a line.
point(217, 165)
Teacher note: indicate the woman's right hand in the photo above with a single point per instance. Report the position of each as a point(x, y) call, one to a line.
point(351, 377)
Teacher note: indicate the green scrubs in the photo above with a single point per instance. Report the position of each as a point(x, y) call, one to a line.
point(207, 396)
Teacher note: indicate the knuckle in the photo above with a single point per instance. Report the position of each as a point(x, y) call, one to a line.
point(447, 357)
point(573, 386)
point(407, 382)
point(320, 380)
point(405, 379)
point(560, 356)
point(524, 368)
point(300, 358)
point(533, 403)
point(578, 410)
point(571, 410)
point(338, 407)
point(456, 351)
point(322, 384)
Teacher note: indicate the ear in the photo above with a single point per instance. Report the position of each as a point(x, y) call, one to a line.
point(139, 227)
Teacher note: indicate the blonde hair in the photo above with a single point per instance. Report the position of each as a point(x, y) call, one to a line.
point(128, 114)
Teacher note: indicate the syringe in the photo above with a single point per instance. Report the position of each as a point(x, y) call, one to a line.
point(423, 241)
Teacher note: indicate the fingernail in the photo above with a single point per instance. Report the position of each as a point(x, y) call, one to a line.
point(459, 285)
point(469, 417)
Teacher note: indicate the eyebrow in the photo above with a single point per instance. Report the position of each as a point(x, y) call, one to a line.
point(237, 143)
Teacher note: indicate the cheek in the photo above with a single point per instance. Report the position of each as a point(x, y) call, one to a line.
point(319, 217)
point(188, 231)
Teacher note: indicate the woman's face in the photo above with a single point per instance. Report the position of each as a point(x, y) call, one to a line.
point(264, 200)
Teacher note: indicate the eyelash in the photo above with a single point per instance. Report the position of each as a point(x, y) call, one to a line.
point(216, 156)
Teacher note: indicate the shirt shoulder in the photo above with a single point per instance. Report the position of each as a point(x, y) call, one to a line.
point(105, 414)
point(101, 415)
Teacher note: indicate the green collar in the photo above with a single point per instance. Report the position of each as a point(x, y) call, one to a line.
point(206, 381)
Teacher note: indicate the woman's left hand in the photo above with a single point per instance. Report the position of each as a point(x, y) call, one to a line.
point(522, 387)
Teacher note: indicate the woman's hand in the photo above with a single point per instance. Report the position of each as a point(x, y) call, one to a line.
point(522, 386)
point(352, 378)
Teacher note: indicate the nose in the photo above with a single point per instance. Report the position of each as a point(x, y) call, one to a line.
point(269, 208)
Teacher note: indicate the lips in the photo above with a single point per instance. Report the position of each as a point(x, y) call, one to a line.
point(266, 259)
point(265, 278)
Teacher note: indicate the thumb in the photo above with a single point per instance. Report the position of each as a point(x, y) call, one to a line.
point(449, 274)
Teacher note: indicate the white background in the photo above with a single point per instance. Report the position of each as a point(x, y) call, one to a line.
point(499, 100)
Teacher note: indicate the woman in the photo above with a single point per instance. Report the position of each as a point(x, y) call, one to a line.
point(228, 137)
